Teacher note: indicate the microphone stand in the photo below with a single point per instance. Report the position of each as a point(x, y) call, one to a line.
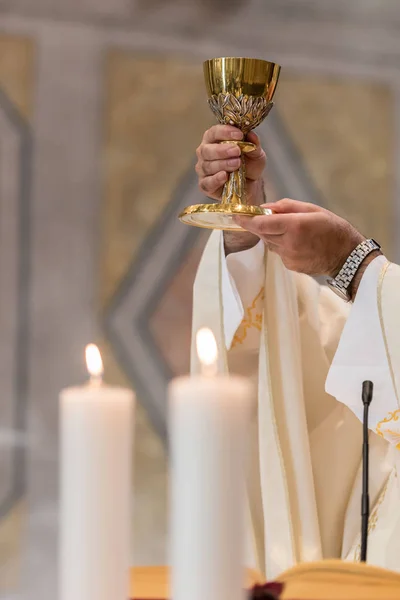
point(367, 391)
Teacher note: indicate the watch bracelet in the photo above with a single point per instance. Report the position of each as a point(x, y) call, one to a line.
point(353, 262)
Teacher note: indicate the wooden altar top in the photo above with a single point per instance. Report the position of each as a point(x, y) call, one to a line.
point(153, 583)
point(323, 580)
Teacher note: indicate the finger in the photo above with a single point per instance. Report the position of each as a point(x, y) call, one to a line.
point(287, 205)
point(211, 185)
point(254, 168)
point(266, 225)
point(258, 152)
point(221, 133)
point(218, 151)
point(254, 161)
point(212, 167)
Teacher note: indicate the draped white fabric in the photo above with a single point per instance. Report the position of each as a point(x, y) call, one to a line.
point(286, 332)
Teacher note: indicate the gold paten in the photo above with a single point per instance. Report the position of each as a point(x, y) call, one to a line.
point(240, 92)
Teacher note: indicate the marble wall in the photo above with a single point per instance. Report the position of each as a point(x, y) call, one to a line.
point(101, 107)
point(16, 95)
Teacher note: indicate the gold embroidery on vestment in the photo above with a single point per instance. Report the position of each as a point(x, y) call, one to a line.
point(392, 416)
point(251, 319)
point(380, 311)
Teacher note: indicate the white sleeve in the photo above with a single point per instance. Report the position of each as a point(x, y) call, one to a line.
point(242, 276)
point(361, 353)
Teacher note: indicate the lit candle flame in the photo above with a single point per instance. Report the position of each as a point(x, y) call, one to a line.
point(93, 362)
point(207, 351)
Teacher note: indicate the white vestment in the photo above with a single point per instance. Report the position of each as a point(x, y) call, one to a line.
point(308, 353)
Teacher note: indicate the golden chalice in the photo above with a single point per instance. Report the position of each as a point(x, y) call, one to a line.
point(240, 92)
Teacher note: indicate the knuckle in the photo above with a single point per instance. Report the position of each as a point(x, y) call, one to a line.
point(215, 132)
point(209, 151)
point(262, 156)
point(221, 150)
point(221, 129)
point(284, 203)
point(203, 185)
point(207, 135)
point(207, 168)
point(225, 151)
point(223, 132)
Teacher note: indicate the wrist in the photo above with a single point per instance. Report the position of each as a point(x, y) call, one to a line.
point(345, 283)
point(351, 241)
point(238, 241)
point(354, 285)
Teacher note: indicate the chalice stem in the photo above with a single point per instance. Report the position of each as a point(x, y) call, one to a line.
point(234, 191)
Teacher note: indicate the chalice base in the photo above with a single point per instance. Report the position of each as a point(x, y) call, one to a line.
point(220, 216)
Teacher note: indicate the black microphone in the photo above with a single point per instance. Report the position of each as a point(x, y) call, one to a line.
point(367, 391)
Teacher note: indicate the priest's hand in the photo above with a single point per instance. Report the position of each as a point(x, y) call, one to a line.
point(309, 239)
point(214, 163)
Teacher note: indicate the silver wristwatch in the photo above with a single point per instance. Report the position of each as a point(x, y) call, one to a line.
point(340, 284)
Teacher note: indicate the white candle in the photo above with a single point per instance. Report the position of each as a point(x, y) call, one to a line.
point(209, 418)
point(96, 423)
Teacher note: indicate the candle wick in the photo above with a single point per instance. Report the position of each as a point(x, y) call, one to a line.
point(96, 380)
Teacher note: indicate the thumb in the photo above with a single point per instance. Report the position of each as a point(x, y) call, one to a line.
point(258, 152)
point(287, 205)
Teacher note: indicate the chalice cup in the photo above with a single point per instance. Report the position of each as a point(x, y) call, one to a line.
point(240, 92)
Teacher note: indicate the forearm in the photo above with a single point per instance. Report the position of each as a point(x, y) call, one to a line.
point(236, 241)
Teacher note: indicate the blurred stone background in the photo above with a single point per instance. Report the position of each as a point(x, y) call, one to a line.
point(102, 105)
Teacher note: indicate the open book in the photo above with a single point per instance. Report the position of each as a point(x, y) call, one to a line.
point(339, 580)
point(324, 580)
